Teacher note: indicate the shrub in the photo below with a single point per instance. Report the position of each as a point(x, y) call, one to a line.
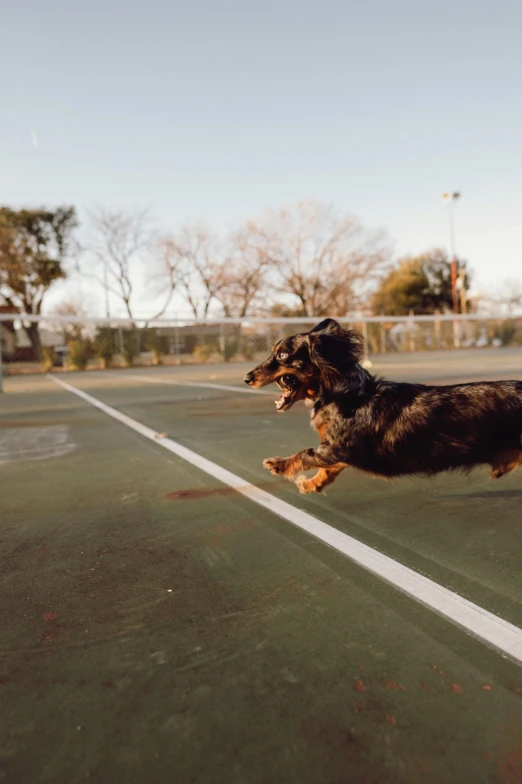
point(131, 348)
point(158, 344)
point(516, 340)
point(104, 345)
point(510, 334)
point(238, 347)
point(231, 349)
point(206, 349)
point(248, 351)
point(48, 358)
point(80, 352)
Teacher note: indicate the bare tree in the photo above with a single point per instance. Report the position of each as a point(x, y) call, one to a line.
point(198, 261)
point(510, 297)
point(506, 300)
point(75, 329)
point(123, 245)
point(325, 260)
point(165, 275)
point(245, 272)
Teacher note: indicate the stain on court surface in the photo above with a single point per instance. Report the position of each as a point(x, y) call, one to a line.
point(195, 493)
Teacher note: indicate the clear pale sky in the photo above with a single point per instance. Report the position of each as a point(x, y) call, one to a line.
point(220, 108)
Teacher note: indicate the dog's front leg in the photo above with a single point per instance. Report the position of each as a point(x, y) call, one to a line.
point(323, 477)
point(322, 457)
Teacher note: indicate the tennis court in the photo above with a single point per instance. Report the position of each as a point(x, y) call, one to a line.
point(171, 612)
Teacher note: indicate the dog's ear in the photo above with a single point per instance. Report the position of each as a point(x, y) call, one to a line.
point(329, 326)
point(336, 354)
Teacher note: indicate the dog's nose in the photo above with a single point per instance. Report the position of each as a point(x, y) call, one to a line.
point(249, 378)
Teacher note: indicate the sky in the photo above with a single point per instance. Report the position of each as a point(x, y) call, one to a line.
point(219, 109)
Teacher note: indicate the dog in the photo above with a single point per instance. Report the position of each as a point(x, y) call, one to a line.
point(382, 427)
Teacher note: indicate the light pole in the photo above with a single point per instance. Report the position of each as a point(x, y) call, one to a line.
point(451, 200)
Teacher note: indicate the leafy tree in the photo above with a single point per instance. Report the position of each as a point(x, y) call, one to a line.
point(421, 284)
point(33, 247)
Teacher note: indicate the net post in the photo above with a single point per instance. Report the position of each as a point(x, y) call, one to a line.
point(456, 334)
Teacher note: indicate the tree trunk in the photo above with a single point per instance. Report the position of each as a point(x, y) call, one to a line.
point(33, 333)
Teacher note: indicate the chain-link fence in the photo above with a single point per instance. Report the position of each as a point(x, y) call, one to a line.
point(77, 342)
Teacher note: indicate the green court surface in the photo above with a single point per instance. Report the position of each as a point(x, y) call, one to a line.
point(159, 626)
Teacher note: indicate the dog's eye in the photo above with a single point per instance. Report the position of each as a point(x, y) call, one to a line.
point(282, 355)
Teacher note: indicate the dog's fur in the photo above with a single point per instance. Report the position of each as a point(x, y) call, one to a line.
point(382, 427)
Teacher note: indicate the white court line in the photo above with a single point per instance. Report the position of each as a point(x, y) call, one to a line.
point(489, 628)
point(193, 384)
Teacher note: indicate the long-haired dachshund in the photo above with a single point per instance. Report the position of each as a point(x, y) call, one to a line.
point(383, 427)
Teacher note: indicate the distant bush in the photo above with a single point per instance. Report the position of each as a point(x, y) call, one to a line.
point(157, 343)
point(79, 352)
point(510, 334)
point(104, 345)
point(516, 339)
point(231, 348)
point(206, 349)
point(131, 347)
point(48, 358)
point(247, 350)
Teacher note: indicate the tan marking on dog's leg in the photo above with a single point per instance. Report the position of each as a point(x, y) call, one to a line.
point(323, 477)
point(288, 467)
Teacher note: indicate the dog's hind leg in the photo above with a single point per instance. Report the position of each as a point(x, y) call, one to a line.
point(505, 461)
point(324, 477)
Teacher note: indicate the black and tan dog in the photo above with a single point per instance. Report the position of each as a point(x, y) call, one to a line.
point(382, 427)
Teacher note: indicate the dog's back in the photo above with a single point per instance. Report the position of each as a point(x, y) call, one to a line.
point(410, 428)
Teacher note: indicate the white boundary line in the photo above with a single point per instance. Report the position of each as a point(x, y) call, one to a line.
point(192, 384)
point(499, 634)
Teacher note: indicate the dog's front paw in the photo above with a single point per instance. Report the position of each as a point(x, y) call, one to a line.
point(276, 465)
point(307, 485)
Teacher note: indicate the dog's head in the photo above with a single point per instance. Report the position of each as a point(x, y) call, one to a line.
point(307, 364)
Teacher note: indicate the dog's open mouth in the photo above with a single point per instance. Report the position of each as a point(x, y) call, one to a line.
point(290, 387)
